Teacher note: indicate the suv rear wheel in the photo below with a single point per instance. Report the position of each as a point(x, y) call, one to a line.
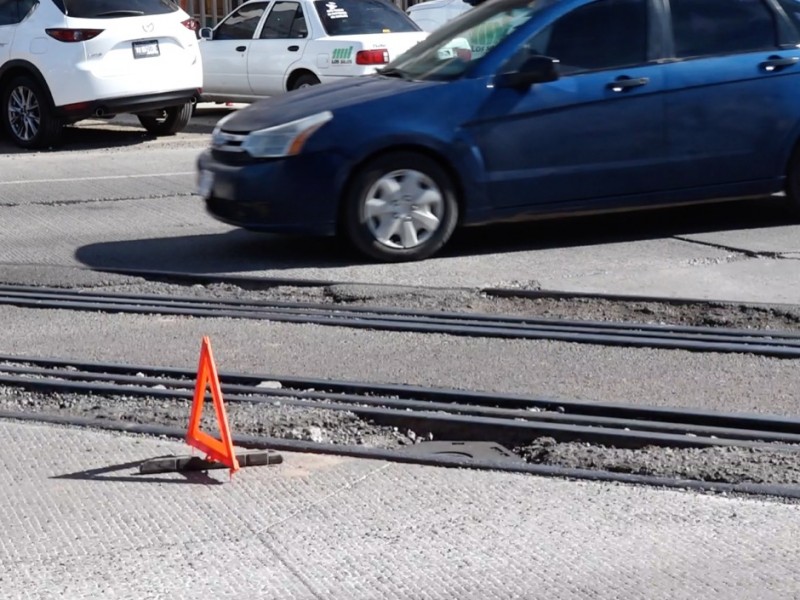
point(27, 116)
point(171, 121)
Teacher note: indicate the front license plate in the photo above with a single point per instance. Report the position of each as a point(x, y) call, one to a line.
point(146, 49)
point(205, 183)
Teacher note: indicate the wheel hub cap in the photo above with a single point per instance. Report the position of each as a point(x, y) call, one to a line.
point(403, 209)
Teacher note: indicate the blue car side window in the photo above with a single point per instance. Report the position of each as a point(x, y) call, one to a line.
point(601, 35)
point(711, 27)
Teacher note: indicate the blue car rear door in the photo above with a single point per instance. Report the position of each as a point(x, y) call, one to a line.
point(733, 92)
point(597, 131)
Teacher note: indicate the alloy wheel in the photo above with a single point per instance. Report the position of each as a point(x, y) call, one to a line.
point(24, 113)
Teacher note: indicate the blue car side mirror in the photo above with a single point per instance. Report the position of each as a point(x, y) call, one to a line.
point(534, 69)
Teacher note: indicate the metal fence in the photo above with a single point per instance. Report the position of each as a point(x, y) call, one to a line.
point(211, 12)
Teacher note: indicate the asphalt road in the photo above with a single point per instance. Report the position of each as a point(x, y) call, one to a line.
point(113, 197)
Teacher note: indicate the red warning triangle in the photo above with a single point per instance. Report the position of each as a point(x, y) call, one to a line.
point(219, 450)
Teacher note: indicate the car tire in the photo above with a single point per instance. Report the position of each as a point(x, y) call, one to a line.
point(27, 116)
point(792, 202)
point(305, 80)
point(400, 207)
point(173, 120)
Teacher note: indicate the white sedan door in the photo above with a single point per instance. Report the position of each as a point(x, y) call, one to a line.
point(281, 43)
point(225, 54)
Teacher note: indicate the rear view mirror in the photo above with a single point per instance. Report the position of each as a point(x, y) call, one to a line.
point(534, 69)
point(206, 33)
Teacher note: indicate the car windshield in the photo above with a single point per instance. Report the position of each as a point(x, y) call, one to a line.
point(460, 44)
point(92, 9)
point(355, 17)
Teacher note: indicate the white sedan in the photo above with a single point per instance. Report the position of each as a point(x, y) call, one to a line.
point(267, 47)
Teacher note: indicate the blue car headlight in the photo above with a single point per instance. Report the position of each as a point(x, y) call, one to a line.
point(287, 139)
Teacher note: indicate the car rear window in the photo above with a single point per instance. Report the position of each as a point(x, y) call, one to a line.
point(354, 17)
point(98, 9)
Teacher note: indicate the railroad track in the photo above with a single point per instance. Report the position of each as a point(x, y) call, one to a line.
point(447, 414)
point(460, 418)
point(780, 344)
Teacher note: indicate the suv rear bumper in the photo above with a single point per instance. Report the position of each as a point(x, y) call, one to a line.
point(128, 104)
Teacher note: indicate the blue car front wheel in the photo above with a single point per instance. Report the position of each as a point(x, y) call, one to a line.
point(401, 206)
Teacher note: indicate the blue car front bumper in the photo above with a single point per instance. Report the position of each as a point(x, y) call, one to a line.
point(297, 194)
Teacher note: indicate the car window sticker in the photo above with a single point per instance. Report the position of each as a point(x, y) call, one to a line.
point(334, 12)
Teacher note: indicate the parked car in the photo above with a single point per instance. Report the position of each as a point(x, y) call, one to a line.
point(66, 60)
point(432, 14)
point(265, 48)
point(525, 109)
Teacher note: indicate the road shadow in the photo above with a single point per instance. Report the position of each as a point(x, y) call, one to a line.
point(107, 474)
point(619, 227)
point(243, 251)
point(234, 251)
point(119, 132)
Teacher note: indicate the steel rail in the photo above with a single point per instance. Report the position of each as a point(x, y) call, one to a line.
point(447, 420)
point(143, 386)
point(782, 344)
point(415, 458)
point(300, 386)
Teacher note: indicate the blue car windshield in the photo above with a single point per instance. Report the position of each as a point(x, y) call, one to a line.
point(448, 52)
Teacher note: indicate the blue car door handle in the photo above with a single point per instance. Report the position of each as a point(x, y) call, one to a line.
point(241, 48)
point(293, 48)
point(776, 63)
point(624, 83)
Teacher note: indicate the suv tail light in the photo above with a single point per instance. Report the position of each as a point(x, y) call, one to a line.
point(191, 24)
point(372, 57)
point(73, 35)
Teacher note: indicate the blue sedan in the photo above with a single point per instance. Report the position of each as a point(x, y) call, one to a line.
point(524, 109)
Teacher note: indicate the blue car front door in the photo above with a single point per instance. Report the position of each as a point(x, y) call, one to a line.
point(596, 132)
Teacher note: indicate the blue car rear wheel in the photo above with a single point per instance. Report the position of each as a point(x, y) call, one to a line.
point(793, 184)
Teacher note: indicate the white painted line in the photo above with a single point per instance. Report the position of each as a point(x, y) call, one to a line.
point(69, 179)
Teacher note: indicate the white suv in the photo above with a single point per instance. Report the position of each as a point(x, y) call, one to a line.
point(66, 60)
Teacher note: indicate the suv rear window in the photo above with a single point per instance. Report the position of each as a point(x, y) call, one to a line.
point(355, 17)
point(98, 9)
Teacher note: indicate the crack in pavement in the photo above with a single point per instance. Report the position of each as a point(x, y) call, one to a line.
point(60, 203)
point(742, 251)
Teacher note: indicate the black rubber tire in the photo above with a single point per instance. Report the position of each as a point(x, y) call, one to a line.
point(354, 220)
point(305, 80)
point(174, 119)
point(40, 128)
point(793, 185)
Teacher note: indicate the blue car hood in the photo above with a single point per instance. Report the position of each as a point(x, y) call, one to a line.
point(309, 101)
